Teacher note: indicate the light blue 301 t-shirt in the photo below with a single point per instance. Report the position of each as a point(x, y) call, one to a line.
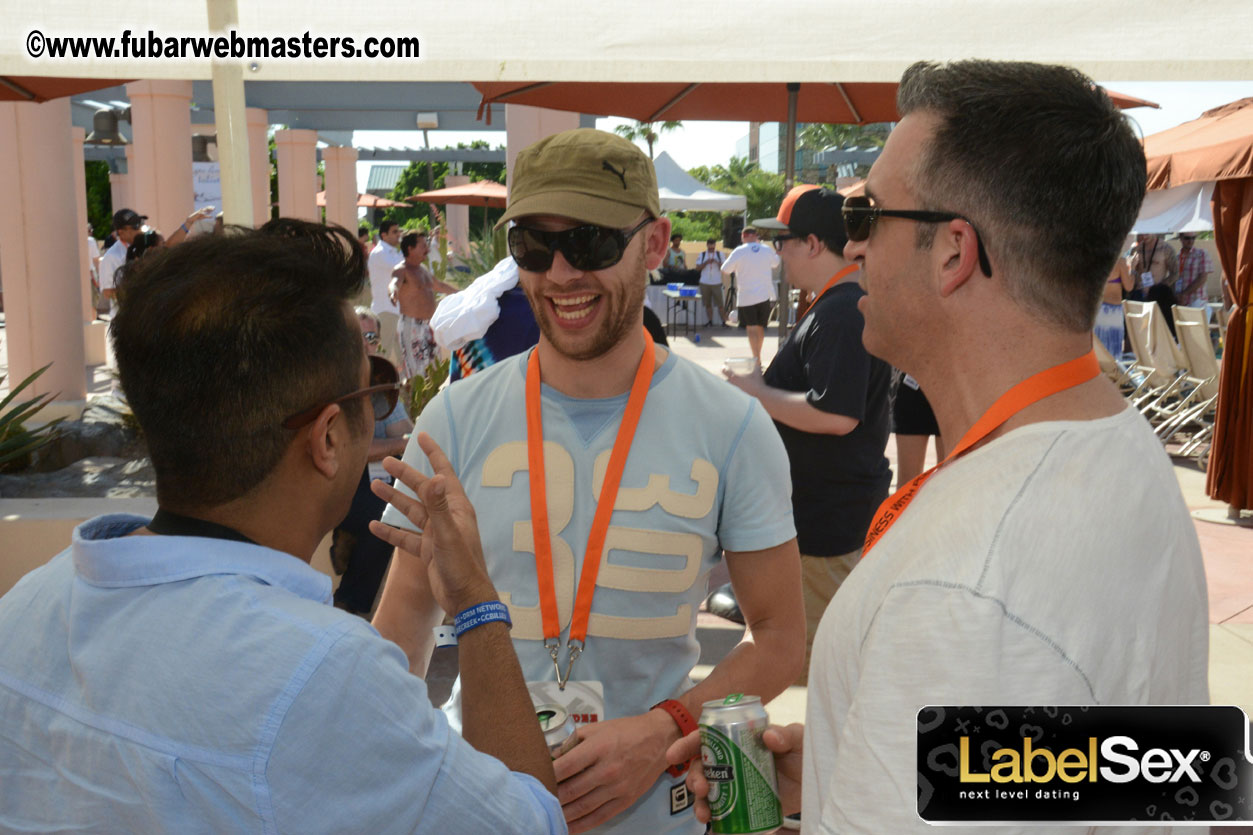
point(706, 471)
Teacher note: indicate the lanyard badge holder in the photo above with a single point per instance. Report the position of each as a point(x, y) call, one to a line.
point(600, 522)
point(1059, 378)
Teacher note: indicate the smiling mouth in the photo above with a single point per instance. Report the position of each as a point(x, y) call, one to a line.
point(573, 309)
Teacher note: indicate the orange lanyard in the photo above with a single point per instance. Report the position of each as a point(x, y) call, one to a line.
point(600, 522)
point(1031, 390)
point(832, 281)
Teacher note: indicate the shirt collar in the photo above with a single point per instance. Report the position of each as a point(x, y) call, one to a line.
point(105, 556)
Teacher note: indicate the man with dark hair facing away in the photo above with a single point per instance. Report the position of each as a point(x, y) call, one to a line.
point(1050, 558)
point(187, 672)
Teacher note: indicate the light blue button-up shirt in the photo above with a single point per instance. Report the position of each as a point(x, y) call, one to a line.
point(183, 684)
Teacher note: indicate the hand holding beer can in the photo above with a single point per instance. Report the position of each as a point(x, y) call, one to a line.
point(743, 787)
point(558, 728)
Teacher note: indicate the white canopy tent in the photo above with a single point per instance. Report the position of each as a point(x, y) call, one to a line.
point(681, 191)
point(1183, 208)
point(566, 40)
point(569, 40)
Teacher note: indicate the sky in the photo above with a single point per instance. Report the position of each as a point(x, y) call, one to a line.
point(713, 143)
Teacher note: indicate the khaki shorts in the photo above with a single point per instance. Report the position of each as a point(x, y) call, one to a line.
point(820, 578)
point(711, 294)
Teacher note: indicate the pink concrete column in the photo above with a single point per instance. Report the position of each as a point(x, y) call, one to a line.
point(259, 158)
point(297, 152)
point(160, 154)
point(77, 135)
point(458, 217)
point(42, 287)
point(120, 191)
point(524, 125)
point(341, 186)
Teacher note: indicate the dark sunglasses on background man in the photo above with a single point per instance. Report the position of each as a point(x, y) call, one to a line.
point(383, 391)
point(584, 247)
point(859, 216)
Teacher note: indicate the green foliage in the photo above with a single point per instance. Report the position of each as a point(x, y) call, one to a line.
point(646, 132)
point(272, 156)
point(486, 251)
point(99, 198)
point(419, 391)
point(820, 137)
point(16, 441)
point(762, 189)
point(696, 226)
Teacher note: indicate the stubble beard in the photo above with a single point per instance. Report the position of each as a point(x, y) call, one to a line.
point(622, 308)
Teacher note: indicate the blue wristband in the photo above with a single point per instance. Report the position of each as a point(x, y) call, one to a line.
point(492, 610)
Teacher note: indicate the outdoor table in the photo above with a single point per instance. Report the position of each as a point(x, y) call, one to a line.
point(654, 298)
point(674, 301)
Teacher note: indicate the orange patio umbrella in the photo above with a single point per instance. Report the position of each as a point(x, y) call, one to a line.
point(487, 193)
point(856, 103)
point(1218, 147)
point(36, 88)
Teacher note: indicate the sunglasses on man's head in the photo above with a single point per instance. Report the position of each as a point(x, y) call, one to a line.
point(584, 247)
point(383, 391)
point(859, 217)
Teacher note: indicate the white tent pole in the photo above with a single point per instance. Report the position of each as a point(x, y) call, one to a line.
point(231, 119)
point(785, 290)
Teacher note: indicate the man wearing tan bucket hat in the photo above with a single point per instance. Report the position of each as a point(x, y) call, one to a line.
point(591, 461)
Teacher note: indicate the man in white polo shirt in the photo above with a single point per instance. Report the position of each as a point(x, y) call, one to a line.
point(385, 258)
point(753, 263)
point(126, 225)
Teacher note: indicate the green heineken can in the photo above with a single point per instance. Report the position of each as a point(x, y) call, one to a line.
point(743, 787)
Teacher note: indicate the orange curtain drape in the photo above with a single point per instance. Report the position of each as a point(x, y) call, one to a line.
point(1230, 477)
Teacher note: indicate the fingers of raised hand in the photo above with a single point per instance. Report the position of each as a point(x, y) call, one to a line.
point(397, 538)
point(402, 472)
point(412, 508)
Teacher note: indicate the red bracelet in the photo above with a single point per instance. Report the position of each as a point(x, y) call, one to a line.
point(686, 725)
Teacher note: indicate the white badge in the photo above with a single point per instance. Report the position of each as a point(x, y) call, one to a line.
point(910, 381)
point(583, 700)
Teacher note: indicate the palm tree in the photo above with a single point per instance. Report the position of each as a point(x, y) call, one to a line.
point(818, 136)
point(644, 131)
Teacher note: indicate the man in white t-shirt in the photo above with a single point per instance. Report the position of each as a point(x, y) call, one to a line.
point(1050, 560)
point(753, 263)
point(126, 225)
point(709, 263)
point(383, 260)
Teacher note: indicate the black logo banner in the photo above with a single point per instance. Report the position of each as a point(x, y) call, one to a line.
point(1085, 764)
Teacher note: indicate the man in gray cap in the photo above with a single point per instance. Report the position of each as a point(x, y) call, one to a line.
point(605, 521)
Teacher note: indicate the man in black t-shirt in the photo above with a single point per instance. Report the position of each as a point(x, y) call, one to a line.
point(828, 398)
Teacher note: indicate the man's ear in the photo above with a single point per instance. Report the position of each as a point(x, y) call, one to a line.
point(956, 251)
point(326, 440)
point(657, 242)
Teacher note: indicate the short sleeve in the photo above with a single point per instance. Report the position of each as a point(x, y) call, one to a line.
point(361, 749)
point(836, 364)
point(927, 645)
point(757, 504)
point(436, 422)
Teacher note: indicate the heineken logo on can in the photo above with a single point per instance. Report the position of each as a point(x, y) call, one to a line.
point(743, 791)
